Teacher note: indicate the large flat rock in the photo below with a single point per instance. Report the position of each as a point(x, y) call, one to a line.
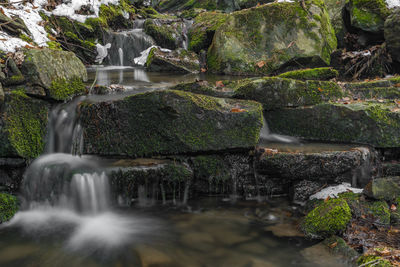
point(169, 122)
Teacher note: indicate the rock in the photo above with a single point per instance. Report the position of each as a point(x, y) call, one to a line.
point(268, 38)
point(169, 122)
point(166, 33)
point(61, 73)
point(391, 169)
point(320, 74)
point(327, 219)
point(368, 16)
point(8, 207)
point(179, 60)
point(380, 89)
point(158, 180)
point(370, 261)
point(275, 92)
point(284, 230)
point(310, 171)
point(336, 9)
point(205, 88)
point(178, 5)
point(23, 126)
point(368, 123)
point(339, 247)
point(203, 29)
point(11, 173)
point(386, 188)
point(392, 34)
point(319, 255)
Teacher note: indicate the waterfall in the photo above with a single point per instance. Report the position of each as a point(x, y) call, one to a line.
point(266, 135)
point(121, 56)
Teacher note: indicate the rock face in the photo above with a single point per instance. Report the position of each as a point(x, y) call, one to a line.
point(392, 34)
point(387, 188)
point(368, 15)
point(169, 122)
point(178, 60)
point(23, 126)
point(267, 38)
point(367, 123)
point(335, 10)
point(166, 33)
point(60, 73)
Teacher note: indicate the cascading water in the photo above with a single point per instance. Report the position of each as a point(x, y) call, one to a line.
point(266, 135)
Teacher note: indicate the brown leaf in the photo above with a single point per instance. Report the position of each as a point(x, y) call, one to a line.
point(319, 89)
point(291, 44)
point(261, 64)
point(237, 110)
point(219, 84)
point(333, 245)
point(393, 207)
point(203, 70)
point(326, 199)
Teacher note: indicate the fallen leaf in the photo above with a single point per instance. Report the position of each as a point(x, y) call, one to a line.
point(291, 44)
point(326, 199)
point(203, 70)
point(333, 245)
point(261, 63)
point(393, 207)
point(237, 110)
point(219, 84)
point(319, 89)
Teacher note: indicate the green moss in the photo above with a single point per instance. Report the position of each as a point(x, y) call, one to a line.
point(150, 57)
point(382, 114)
point(26, 124)
point(211, 168)
point(163, 35)
point(54, 45)
point(8, 207)
point(368, 15)
point(113, 16)
point(327, 219)
point(25, 38)
point(311, 74)
point(62, 89)
point(373, 261)
point(380, 212)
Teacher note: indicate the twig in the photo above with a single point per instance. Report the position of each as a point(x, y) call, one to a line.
point(94, 81)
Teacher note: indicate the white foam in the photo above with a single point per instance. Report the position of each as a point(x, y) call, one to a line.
point(333, 191)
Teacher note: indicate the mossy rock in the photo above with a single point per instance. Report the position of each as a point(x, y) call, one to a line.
point(386, 89)
point(61, 73)
point(321, 74)
point(203, 29)
point(368, 123)
point(271, 37)
point(179, 60)
point(368, 15)
point(335, 9)
point(169, 122)
point(24, 123)
point(180, 5)
point(8, 207)
point(205, 88)
point(386, 188)
point(275, 92)
point(166, 34)
point(339, 247)
point(328, 218)
point(373, 261)
point(392, 34)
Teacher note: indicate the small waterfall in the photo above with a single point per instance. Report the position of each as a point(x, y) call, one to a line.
point(266, 135)
point(121, 56)
point(186, 26)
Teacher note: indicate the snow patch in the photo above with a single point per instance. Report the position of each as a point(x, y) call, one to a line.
point(141, 60)
point(393, 3)
point(333, 191)
point(102, 52)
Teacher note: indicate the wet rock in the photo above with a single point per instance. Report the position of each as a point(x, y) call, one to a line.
point(205, 88)
point(270, 37)
point(172, 61)
point(60, 73)
point(203, 29)
point(327, 218)
point(11, 173)
point(304, 189)
point(370, 260)
point(368, 16)
point(336, 10)
point(153, 257)
point(391, 168)
point(392, 34)
point(320, 74)
point(8, 207)
point(386, 188)
point(381, 89)
point(166, 33)
point(360, 122)
point(169, 122)
point(285, 230)
point(339, 247)
point(319, 255)
point(23, 126)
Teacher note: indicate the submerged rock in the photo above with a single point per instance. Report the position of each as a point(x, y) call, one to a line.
point(367, 123)
point(270, 37)
point(179, 60)
point(60, 73)
point(8, 207)
point(23, 126)
point(328, 218)
point(169, 122)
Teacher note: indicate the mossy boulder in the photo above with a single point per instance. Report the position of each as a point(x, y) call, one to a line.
point(169, 122)
point(336, 9)
point(386, 188)
point(60, 73)
point(275, 92)
point(373, 261)
point(328, 218)
point(8, 207)
point(166, 33)
point(368, 15)
point(179, 5)
point(392, 34)
point(321, 74)
point(339, 247)
point(368, 123)
point(271, 37)
point(205, 88)
point(384, 89)
point(23, 127)
point(179, 60)
point(203, 29)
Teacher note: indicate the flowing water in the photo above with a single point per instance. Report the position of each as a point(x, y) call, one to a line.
point(70, 217)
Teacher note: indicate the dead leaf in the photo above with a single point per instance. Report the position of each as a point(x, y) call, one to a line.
point(219, 84)
point(319, 89)
point(393, 207)
point(291, 44)
point(261, 64)
point(326, 199)
point(237, 110)
point(333, 245)
point(203, 70)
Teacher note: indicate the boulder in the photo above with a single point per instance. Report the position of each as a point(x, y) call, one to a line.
point(203, 29)
point(360, 122)
point(387, 188)
point(60, 73)
point(169, 122)
point(11, 173)
point(320, 74)
point(271, 37)
point(23, 125)
point(328, 218)
point(336, 9)
point(392, 34)
point(179, 60)
point(166, 33)
point(205, 88)
point(8, 207)
point(385, 89)
point(179, 5)
point(368, 15)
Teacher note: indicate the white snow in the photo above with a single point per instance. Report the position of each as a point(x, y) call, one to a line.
point(141, 60)
point(333, 191)
point(102, 52)
point(393, 3)
point(9, 44)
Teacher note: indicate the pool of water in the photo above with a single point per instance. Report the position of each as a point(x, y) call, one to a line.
point(209, 232)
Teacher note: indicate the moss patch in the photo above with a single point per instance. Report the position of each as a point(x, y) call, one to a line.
point(8, 207)
point(62, 89)
point(373, 261)
point(311, 74)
